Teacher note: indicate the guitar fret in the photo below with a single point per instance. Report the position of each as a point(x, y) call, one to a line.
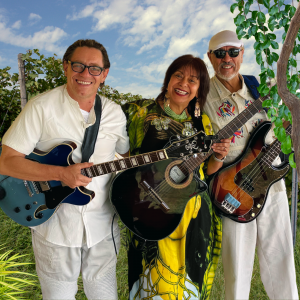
point(117, 165)
point(133, 161)
point(100, 170)
point(112, 166)
point(147, 158)
point(161, 155)
point(93, 170)
point(122, 164)
point(89, 173)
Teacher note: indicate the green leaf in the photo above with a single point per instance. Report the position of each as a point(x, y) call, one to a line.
point(271, 73)
point(254, 14)
point(233, 7)
point(292, 11)
point(292, 160)
point(261, 17)
point(274, 45)
point(247, 8)
point(278, 122)
point(281, 135)
point(271, 26)
point(293, 62)
point(273, 10)
point(281, 2)
point(239, 19)
point(267, 103)
point(254, 29)
point(259, 58)
point(271, 36)
point(266, 44)
point(266, 3)
point(275, 56)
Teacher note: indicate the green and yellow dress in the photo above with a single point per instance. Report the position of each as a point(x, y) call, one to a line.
point(182, 265)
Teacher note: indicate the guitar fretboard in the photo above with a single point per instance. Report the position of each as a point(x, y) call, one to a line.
point(227, 131)
point(124, 163)
point(275, 149)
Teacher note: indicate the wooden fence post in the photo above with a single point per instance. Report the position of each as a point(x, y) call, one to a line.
point(22, 80)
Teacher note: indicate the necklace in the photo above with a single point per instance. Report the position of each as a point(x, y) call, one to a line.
point(171, 113)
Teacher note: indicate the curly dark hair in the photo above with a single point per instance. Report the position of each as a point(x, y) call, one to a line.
point(90, 44)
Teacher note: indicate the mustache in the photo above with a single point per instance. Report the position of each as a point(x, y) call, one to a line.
point(226, 64)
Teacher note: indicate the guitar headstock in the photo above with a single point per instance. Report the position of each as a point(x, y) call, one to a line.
point(180, 146)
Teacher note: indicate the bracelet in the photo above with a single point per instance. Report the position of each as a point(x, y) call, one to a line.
point(218, 159)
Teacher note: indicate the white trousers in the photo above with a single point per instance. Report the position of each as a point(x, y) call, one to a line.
point(58, 268)
point(271, 234)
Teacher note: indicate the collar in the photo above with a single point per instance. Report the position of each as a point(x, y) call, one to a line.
point(224, 92)
point(76, 109)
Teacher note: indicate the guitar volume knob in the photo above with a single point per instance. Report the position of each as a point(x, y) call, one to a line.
point(39, 215)
point(27, 206)
point(29, 218)
point(17, 209)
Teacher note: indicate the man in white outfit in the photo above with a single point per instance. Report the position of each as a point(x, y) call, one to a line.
point(77, 238)
point(270, 232)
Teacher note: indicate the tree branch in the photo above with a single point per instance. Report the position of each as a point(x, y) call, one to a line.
point(289, 99)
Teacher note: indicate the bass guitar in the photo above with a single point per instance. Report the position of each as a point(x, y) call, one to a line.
point(150, 200)
point(31, 203)
point(240, 189)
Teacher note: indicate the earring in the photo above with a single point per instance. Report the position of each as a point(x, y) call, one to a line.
point(197, 111)
point(167, 99)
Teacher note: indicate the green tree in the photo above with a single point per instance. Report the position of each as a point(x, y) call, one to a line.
point(268, 22)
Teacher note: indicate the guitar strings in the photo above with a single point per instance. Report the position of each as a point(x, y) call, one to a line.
point(164, 187)
point(256, 172)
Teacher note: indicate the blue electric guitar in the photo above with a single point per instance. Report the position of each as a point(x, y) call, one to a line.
point(31, 203)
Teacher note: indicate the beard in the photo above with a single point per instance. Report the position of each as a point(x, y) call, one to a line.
point(226, 77)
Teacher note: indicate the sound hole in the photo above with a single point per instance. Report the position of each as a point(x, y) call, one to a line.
point(178, 174)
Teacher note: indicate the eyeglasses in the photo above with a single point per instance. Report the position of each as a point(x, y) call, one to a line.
point(233, 52)
point(79, 68)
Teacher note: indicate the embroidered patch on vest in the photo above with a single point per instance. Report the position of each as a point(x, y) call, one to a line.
point(238, 134)
point(226, 109)
point(248, 102)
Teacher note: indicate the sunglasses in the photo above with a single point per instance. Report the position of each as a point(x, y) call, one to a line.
point(233, 52)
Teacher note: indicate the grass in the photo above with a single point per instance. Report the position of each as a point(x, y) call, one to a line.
point(18, 239)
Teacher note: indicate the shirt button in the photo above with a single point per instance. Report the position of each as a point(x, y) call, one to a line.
point(233, 95)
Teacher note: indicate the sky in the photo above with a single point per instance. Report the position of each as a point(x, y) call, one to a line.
point(142, 37)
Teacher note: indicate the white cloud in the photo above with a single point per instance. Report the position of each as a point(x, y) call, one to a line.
point(46, 39)
point(17, 25)
point(34, 18)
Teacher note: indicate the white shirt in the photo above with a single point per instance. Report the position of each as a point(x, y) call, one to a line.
point(52, 118)
point(222, 107)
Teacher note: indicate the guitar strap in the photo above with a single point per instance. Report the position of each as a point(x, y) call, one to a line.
point(252, 84)
point(91, 133)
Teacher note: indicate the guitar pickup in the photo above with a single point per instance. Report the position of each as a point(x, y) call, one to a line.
point(150, 191)
point(230, 203)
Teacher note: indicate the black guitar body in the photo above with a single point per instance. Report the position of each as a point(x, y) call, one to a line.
point(139, 210)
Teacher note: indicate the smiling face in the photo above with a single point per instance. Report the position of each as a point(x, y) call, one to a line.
point(83, 87)
point(183, 87)
point(228, 67)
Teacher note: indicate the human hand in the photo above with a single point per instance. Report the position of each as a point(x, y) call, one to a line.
point(72, 177)
point(221, 149)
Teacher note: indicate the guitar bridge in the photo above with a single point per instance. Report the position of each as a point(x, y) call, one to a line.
point(163, 205)
point(230, 204)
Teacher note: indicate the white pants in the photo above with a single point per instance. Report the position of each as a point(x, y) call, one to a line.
point(271, 234)
point(58, 268)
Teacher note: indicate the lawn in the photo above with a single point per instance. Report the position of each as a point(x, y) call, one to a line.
point(18, 238)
